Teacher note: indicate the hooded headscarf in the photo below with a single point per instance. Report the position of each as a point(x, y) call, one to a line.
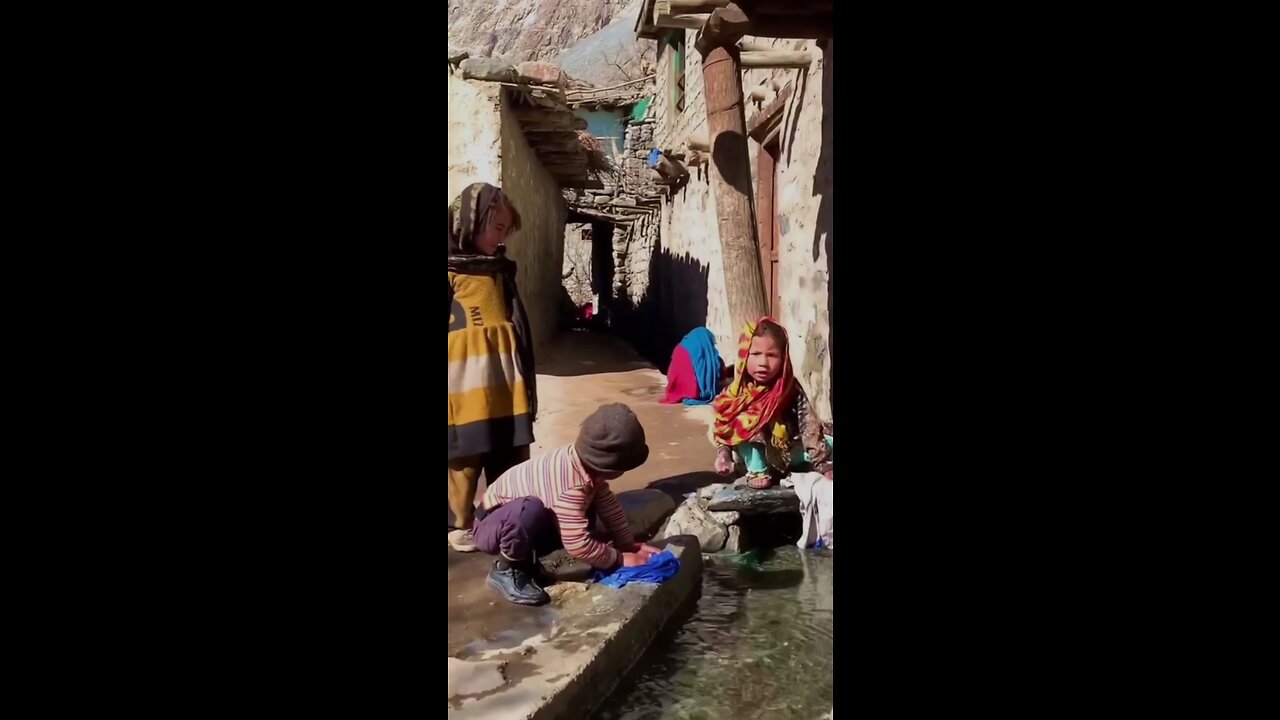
point(746, 407)
point(470, 213)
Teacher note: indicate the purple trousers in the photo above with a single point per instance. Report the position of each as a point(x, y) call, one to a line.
point(518, 529)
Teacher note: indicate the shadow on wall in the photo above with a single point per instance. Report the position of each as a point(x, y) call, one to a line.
point(674, 303)
point(602, 270)
point(824, 230)
point(726, 154)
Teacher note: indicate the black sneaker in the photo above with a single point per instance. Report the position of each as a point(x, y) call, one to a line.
point(515, 584)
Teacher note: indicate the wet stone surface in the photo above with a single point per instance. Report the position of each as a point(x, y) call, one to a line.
point(749, 501)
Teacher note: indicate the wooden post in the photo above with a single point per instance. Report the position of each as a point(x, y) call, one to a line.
point(731, 163)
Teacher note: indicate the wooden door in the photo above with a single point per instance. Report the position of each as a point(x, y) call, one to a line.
point(768, 229)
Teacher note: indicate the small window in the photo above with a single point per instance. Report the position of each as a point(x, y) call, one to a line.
point(677, 44)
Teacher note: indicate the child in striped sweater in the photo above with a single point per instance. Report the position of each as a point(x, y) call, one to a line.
point(541, 504)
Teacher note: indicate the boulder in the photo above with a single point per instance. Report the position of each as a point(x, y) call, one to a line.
point(563, 567)
point(705, 494)
point(538, 73)
point(645, 509)
point(488, 69)
point(691, 519)
point(730, 517)
point(734, 540)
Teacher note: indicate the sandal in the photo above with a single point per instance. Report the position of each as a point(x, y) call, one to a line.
point(762, 481)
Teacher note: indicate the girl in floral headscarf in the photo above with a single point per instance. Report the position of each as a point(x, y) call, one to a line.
point(493, 400)
point(764, 415)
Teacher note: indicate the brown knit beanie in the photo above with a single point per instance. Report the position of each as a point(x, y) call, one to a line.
point(612, 439)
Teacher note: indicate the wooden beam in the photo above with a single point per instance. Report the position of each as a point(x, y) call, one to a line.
point(544, 119)
point(685, 22)
point(777, 59)
point(769, 118)
point(724, 28)
point(698, 142)
point(696, 6)
point(555, 142)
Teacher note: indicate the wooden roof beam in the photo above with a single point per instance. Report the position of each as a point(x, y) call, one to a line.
point(724, 28)
point(696, 6)
point(776, 59)
point(729, 24)
point(681, 22)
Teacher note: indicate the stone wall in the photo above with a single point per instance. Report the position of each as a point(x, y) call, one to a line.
point(577, 263)
point(475, 143)
point(628, 259)
point(538, 246)
point(689, 244)
point(487, 144)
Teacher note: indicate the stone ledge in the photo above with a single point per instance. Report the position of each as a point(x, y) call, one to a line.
point(567, 671)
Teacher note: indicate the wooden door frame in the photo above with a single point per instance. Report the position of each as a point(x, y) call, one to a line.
point(767, 230)
point(766, 129)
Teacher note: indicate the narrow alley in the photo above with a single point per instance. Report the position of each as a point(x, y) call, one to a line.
point(606, 229)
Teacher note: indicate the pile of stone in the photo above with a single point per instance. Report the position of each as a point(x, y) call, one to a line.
point(638, 143)
point(715, 514)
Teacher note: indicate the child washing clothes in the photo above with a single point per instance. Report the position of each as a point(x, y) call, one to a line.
point(552, 500)
point(764, 416)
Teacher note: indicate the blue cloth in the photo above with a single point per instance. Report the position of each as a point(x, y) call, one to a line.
point(700, 343)
point(654, 155)
point(659, 569)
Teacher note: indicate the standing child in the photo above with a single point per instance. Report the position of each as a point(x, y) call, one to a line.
point(492, 398)
point(764, 415)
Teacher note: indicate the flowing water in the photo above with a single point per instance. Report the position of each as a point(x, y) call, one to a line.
point(758, 646)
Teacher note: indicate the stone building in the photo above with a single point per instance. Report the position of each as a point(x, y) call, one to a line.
point(511, 126)
point(665, 247)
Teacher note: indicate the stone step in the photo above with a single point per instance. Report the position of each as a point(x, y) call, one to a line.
point(749, 501)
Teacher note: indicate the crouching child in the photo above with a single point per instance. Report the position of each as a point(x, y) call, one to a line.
point(551, 501)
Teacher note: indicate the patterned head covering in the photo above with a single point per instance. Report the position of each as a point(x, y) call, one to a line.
point(746, 407)
point(470, 213)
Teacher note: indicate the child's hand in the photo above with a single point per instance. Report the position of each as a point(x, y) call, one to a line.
point(634, 559)
point(640, 549)
point(724, 464)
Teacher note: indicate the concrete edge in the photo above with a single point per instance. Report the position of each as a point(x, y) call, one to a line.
point(582, 695)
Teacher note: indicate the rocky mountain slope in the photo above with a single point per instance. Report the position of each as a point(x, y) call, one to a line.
point(611, 56)
point(518, 30)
